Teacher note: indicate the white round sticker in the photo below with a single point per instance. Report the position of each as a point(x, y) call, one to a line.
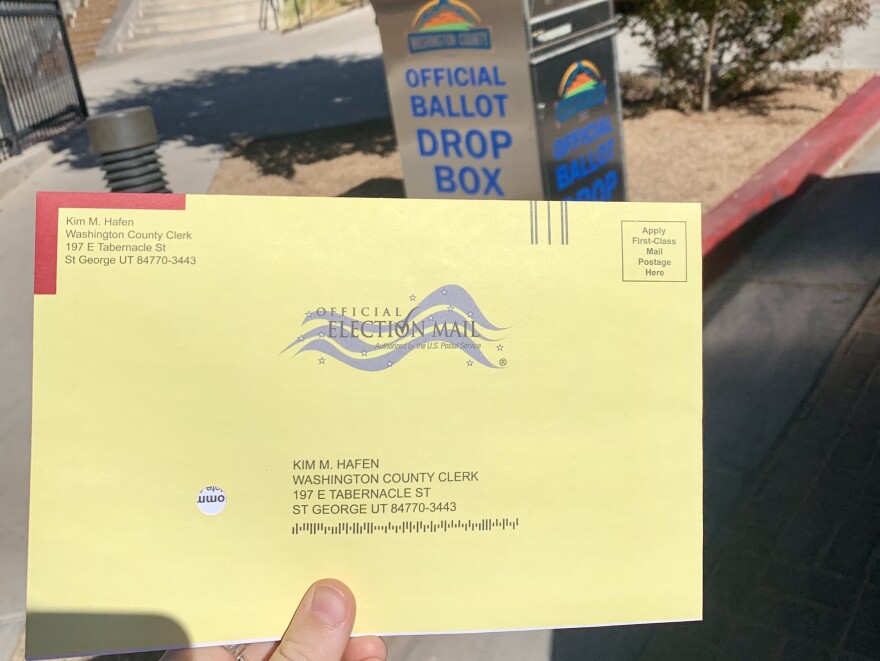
point(211, 500)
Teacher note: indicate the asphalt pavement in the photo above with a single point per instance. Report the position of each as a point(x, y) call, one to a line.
point(772, 324)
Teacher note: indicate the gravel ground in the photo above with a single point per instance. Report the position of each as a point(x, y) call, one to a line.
point(670, 156)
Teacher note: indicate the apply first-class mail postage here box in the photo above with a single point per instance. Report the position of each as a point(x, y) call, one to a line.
point(479, 415)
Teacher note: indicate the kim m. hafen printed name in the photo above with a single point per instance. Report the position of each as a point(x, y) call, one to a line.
point(110, 221)
point(359, 463)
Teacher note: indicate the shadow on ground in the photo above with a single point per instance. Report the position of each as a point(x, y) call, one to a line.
point(52, 634)
point(280, 155)
point(241, 103)
point(378, 187)
point(646, 92)
point(791, 445)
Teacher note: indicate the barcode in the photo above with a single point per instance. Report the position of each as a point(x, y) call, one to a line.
point(481, 525)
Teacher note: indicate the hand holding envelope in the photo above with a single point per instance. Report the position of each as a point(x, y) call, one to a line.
point(440, 402)
point(319, 631)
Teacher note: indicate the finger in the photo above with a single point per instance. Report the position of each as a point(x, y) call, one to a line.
point(368, 648)
point(321, 626)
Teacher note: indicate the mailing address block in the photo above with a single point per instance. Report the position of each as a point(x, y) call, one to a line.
point(654, 251)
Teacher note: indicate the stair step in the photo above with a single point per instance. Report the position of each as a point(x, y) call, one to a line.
point(86, 15)
point(86, 30)
point(82, 16)
point(175, 7)
point(90, 24)
point(192, 19)
point(163, 6)
point(84, 58)
point(82, 26)
point(83, 46)
point(188, 36)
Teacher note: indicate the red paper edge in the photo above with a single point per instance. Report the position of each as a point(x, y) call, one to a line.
point(48, 204)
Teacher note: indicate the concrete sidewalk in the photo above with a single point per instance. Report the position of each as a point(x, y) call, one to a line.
point(795, 573)
point(793, 570)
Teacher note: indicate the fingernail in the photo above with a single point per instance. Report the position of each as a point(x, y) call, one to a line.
point(329, 605)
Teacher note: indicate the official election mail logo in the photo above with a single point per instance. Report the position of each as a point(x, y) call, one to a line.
point(581, 88)
point(372, 339)
point(447, 25)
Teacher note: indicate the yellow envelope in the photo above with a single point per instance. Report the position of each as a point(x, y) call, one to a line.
point(481, 416)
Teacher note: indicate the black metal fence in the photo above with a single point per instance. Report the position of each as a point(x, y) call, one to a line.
point(40, 93)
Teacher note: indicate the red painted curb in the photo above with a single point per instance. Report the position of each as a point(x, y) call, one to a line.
point(813, 155)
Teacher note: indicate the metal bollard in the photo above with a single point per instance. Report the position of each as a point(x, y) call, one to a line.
point(125, 143)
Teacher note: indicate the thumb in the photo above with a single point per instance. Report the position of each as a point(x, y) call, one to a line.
point(321, 626)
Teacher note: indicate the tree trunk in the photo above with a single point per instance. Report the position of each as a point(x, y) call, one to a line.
point(708, 59)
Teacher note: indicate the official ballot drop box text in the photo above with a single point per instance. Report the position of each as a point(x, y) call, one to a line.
point(498, 99)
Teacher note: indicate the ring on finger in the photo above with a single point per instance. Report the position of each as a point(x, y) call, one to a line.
point(237, 651)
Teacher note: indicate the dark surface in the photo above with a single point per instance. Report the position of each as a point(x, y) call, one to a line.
point(791, 463)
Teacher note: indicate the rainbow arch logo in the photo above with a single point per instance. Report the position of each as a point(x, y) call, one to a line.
point(581, 87)
point(447, 25)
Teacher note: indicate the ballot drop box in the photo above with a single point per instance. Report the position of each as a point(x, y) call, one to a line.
point(498, 99)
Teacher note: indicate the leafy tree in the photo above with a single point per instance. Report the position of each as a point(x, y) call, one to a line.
point(712, 51)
